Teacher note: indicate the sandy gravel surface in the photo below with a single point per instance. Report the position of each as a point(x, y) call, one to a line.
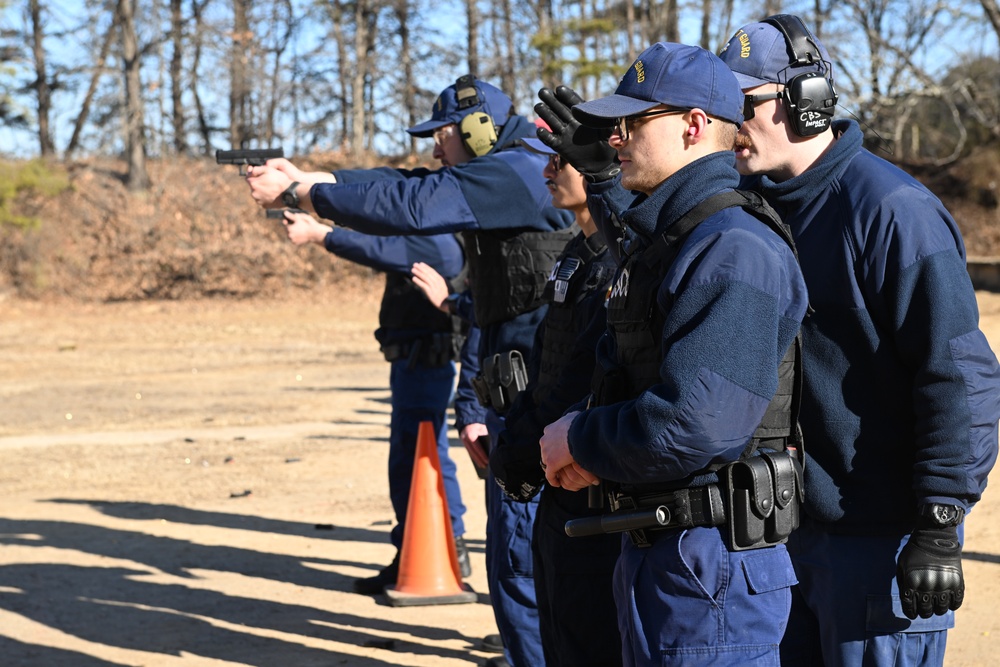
point(164, 468)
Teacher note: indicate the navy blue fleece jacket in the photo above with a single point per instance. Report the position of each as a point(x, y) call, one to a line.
point(503, 189)
point(902, 390)
point(733, 299)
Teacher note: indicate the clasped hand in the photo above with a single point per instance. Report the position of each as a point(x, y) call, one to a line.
point(561, 469)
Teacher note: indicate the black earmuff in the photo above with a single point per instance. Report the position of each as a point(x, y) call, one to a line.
point(810, 98)
point(478, 132)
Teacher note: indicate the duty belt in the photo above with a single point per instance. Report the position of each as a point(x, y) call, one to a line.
point(636, 515)
point(429, 350)
point(758, 499)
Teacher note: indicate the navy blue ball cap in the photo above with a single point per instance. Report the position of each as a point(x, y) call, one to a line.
point(537, 146)
point(677, 75)
point(492, 101)
point(759, 53)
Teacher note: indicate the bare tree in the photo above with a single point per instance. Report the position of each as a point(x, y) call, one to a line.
point(204, 130)
point(474, 23)
point(338, 15)
point(137, 177)
point(992, 10)
point(88, 98)
point(239, 75)
point(177, 76)
point(365, 23)
point(43, 92)
point(659, 22)
point(283, 28)
point(409, 88)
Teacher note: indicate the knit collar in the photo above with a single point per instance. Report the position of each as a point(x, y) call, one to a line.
point(789, 196)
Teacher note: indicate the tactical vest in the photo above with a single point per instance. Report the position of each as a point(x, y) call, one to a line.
point(406, 316)
point(404, 307)
point(574, 276)
point(637, 324)
point(508, 270)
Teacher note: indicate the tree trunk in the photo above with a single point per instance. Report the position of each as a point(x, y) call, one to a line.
point(203, 127)
point(336, 12)
point(239, 63)
point(42, 90)
point(357, 136)
point(671, 27)
point(402, 8)
point(631, 32)
point(706, 22)
point(992, 10)
point(371, 32)
point(281, 21)
point(508, 73)
point(177, 76)
point(81, 118)
point(135, 147)
point(472, 42)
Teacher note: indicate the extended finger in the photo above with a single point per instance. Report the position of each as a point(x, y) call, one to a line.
point(568, 96)
point(557, 105)
point(550, 117)
point(549, 139)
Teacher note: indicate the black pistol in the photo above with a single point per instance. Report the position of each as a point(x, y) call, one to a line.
point(248, 157)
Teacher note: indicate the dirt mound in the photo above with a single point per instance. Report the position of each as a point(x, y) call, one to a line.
point(197, 234)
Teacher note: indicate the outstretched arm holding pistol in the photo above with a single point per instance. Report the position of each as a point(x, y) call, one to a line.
point(278, 183)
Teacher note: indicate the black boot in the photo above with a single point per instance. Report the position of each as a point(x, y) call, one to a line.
point(376, 585)
point(491, 643)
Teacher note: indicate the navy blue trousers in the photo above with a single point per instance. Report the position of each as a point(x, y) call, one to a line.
point(688, 600)
point(846, 611)
point(509, 568)
point(573, 575)
point(420, 394)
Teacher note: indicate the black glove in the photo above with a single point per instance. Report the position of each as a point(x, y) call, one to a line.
point(586, 148)
point(929, 572)
point(517, 470)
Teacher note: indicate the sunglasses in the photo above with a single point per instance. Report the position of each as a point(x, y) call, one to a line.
point(750, 101)
point(621, 124)
point(556, 162)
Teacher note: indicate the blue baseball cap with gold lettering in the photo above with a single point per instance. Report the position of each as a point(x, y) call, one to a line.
point(447, 110)
point(677, 75)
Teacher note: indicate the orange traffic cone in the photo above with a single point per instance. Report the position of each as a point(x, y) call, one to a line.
point(428, 565)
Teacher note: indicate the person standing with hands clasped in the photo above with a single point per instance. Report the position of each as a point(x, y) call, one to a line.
point(689, 421)
point(901, 389)
point(576, 610)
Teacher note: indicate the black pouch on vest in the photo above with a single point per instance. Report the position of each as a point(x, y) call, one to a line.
point(503, 377)
point(482, 389)
point(788, 495)
point(762, 500)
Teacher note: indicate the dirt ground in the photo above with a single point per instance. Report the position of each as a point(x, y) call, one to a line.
point(170, 471)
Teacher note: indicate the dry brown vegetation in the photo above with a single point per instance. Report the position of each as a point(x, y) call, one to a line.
point(197, 234)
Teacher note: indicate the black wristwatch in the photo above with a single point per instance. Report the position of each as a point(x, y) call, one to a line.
point(289, 197)
point(941, 516)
